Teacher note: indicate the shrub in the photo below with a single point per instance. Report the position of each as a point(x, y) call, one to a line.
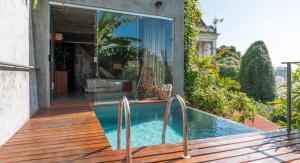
point(218, 95)
point(228, 60)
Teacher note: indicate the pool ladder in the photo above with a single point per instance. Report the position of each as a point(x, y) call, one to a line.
point(184, 121)
point(124, 103)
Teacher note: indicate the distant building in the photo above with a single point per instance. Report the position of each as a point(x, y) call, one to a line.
point(280, 79)
point(281, 71)
point(207, 40)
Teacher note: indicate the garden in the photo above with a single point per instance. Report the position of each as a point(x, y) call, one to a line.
point(232, 85)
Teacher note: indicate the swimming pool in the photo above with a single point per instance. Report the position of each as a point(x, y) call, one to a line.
point(147, 123)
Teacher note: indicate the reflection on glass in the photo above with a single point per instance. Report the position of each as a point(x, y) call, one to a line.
point(156, 66)
point(133, 53)
point(116, 35)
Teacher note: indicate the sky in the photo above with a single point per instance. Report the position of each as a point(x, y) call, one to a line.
point(276, 22)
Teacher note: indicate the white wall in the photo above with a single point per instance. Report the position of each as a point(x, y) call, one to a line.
point(17, 96)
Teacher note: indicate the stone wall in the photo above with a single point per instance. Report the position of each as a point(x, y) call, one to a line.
point(18, 98)
point(83, 66)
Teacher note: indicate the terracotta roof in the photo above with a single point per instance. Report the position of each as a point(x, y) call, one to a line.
point(261, 123)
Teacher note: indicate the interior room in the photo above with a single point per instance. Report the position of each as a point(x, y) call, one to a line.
point(106, 55)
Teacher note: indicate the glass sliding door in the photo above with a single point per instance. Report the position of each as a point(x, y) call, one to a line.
point(133, 55)
point(108, 55)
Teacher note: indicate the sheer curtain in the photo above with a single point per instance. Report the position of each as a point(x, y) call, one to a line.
point(156, 41)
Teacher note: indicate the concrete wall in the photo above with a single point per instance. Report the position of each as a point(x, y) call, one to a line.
point(17, 89)
point(170, 8)
point(41, 27)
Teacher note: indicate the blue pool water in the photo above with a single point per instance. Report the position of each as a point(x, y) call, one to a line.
point(147, 123)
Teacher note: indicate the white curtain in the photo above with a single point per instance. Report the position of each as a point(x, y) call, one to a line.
point(153, 35)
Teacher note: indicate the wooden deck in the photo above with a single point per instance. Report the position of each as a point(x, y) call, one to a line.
point(70, 132)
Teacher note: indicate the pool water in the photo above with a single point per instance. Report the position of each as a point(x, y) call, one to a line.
point(147, 124)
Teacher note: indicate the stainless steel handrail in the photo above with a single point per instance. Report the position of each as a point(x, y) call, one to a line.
point(184, 121)
point(124, 103)
point(14, 65)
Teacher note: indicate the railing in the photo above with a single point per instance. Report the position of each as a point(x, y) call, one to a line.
point(289, 94)
point(124, 103)
point(15, 66)
point(184, 121)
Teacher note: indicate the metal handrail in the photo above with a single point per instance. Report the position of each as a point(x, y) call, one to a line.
point(124, 103)
point(184, 121)
point(14, 65)
point(289, 94)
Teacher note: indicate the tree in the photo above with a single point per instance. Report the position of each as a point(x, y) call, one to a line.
point(257, 74)
point(228, 60)
point(192, 16)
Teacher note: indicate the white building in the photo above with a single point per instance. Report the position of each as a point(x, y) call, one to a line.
point(207, 40)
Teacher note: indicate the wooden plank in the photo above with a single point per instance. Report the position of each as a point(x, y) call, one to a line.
point(248, 153)
point(173, 151)
point(294, 156)
point(67, 133)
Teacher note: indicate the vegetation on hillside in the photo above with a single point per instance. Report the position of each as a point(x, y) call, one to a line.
point(278, 113)
point(228, 60)
point(257, 75)
point(205, 88)
point(216, 85)
point(219, 95)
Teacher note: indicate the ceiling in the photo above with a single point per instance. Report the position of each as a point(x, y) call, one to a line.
point(76, 24)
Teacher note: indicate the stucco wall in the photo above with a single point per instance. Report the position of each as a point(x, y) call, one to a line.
point(170, 8)
point(17, 95)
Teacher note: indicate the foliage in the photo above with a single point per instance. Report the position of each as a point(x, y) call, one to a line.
point(111, 46)
point(279, 112)
point(192, 16)
point(216, 21)
point(228, 60)
point(205, 89)
point(34, 3)
point(109, 43)
point(257, 73)
point(219, 95)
